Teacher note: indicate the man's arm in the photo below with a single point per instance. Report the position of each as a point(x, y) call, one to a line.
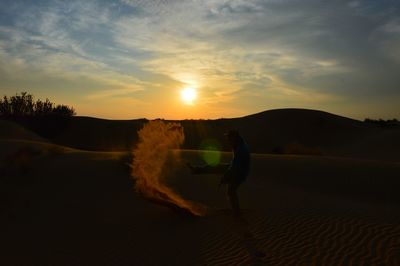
point(208, 169)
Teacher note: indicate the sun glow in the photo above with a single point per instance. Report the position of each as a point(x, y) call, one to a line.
point(188, 95)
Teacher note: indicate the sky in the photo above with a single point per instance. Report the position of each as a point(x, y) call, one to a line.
point(127, 59)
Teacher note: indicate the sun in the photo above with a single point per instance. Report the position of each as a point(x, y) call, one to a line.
point(188, 95)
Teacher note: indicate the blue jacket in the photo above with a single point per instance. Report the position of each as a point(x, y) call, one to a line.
point(240, 165)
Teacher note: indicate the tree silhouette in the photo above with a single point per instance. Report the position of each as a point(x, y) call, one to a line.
point(383, 123)
point(24, 105)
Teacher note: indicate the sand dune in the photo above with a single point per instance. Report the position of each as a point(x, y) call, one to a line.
point(11, 130)
point(80, 208)
point(273, 131)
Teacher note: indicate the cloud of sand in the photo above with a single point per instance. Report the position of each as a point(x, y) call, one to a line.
point(149, 168)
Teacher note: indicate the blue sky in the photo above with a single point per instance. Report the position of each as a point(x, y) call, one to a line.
point(130, 58)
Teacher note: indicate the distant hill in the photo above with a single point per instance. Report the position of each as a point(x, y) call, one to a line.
point(99, 134)
point(274, 131)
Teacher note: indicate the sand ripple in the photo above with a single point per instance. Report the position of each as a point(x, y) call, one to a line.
point(301, 239)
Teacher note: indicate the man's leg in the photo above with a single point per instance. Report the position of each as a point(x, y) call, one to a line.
point(233, 198)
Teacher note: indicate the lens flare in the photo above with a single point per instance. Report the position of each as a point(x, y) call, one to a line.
point(211, 152)
point(149, 166)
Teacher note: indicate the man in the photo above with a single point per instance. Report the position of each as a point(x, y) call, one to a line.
point(235, 173)
point(238, 169)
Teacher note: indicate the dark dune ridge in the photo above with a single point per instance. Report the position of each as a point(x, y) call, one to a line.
point(11, 130)
point(276, 131)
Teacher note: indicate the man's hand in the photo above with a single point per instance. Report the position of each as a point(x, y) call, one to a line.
point(224, 179)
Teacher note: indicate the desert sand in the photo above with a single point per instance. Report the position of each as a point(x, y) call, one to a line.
point(67, 206)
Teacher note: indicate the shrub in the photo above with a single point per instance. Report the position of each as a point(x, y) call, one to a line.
point(383, 123)
point(23, 105)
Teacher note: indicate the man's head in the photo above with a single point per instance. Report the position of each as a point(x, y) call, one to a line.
point(233, 137)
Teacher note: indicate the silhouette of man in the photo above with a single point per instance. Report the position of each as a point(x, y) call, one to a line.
point(235, 173)
point(238, 170)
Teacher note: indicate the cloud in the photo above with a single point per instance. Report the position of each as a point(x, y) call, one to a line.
point(269, 53)
point(387, 39)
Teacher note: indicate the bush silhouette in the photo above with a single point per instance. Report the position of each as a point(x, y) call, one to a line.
point(24, 105)
point(42, 117)
point(383, 123)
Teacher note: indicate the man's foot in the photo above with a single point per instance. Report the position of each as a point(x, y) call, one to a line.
point(240, 218)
